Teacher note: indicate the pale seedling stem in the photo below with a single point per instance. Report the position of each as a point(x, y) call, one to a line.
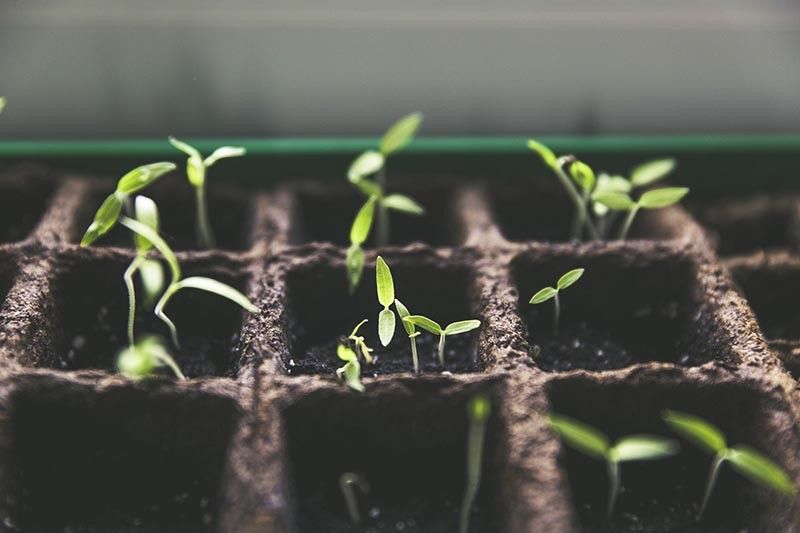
point(128, 278)
point(478, 411)
point(580, 205)
point(548, 293)
point(205, 235)
point(347, 482)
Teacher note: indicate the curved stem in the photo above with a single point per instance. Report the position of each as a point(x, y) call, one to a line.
point(613, 486)
point(580, 206)
point(205, 235)
point(151, 235)
point(159, 312)
point(477, 431)
point(623, 234)
point(712, 479)
point(170, 362)
point(441, 348)
point(128, 278)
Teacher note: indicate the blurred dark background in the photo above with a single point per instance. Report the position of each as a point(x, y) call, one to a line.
point(91, 68)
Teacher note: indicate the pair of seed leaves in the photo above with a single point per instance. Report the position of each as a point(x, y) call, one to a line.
point(196, 165)
point(563, 282)
point(351, 371)
point(141, 359)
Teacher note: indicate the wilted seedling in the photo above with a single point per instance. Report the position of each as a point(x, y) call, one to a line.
point(593, 443)
point(411, 331)
point(347, 482)
point(478, 410)
point(454, 328)
point(744, 460)
point(196, 169)
point(351, 371)
point(385, 287)
point(359, 342)
point(141, 359)
point(549, 293)
point(655, 199)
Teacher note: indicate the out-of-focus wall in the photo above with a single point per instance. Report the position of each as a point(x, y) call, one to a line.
point(84, 68)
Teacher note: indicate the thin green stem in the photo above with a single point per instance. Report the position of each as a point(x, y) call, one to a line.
point(151, 235)
point(205, 235)
point(170, 362)
point(577, 227)
point(347, 482)
point(414, 358)
point(557, 314)
point(712, 479)
point(580, 206)
point(475, 439)
point(441, 348)
point(128, 278)
point(383, 212)
point(626, 226)
point(159, 312)
point(613, 486)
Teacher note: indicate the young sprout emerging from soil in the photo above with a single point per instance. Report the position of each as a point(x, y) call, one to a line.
point(347, 483)
point(478, 410)
point(746, 461)
point(359, 232)
point(141, 359)
point(454, 328)
point(385, 286)
point(196, 169)
point(654, 199)
point(351, 371)
point(593, 443)
point(411, 331)
point(549, 293)
point(359, 342)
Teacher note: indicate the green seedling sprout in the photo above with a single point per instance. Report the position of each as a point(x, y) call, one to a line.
point(385, 288)
point(593, 443)
point(549, 293)
point(359, 232)
point(654, 199)
point(351, 371)
point(478, 410)
point(347, 481)
point(2, 103)
point(744, 460)
point(196, 170)
point(411, 331)
point(454, 328)
point(359, 342)
point(141, 359)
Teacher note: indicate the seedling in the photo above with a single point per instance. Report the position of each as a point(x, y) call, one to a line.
point(385, 287)
point(478, 410)
point(347, 482)
point(744, 460)
point(141, 359)
point(2, 103)
point(655, 199)
point(454, 328)
point(411, 331)
point(196, 169)
point(359, 232)
point(593, 443)
point(550, 293)
point(359, 342)
point(351, 371)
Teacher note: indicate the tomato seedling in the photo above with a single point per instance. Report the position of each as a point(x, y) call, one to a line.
point(454, 328)
point(550, 293)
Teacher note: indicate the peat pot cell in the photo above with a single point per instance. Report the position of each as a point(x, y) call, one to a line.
point(626, 309)
point(117, 461)
point(411, 449)
point(532, 211)
point(665, 495)
point(772, 292)
point(745, 226)
point(321, 312)
point(326, 215)
point(90, 327)
point(21, 208)
point(230, 211)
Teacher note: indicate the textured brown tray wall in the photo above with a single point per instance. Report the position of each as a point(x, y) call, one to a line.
point(241, 441)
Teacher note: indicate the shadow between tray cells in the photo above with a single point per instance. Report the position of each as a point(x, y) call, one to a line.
point(624, 310)
point(771, 291)
point(21, 209)
point(88, 462)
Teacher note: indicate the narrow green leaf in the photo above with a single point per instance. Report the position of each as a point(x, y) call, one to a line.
point(694, 428)
point(186, 148)
point(583, 175)
point(104, 219)
point(615, 200)
point(662, 197)
point(760, 469)
point(363, 222)
point(581, 436)
point(224, 152)
point(569, 278)
point(386, 326)
point(543, 295)
point(606, 183)
point(352, 375)
point(425, 323)
point(146, 213)
point(369, 188)
point(152, 275)
point(345, 353)
point(651, 172)
point(2, 104)
point(160, 244)
point(366, 164)
point(402, 312)
point(461, 326)
point(355, 265)
point(643, 448)
point(544, 152)
point(384, 282)
point(218, 288)
point(140, 177)
point(358, 326)
point(479, 407)
point(402, 203)
point(400, 133)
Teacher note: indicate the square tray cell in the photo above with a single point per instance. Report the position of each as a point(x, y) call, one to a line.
point(90, 322)
point(771, 292)
point(629, 307)
point(410, 448)
point(665, 495)
point(321, 312)
point(22, 205)
point(325, 214)
point(230, 210)
point(120, 460)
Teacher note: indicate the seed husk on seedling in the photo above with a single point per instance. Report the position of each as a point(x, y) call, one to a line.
point(139, 360)
point(590, 441)
point(351, 371)
point(411, 331)
point(479, 408)
point(748, 462)
point(196, 170)
point(454, 328)
point(347, 482)
point(359, 343)
point(385, 288)
point(549, 293)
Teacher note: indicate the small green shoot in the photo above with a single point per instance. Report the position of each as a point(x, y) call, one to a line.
point(359, 342)
point(347, 481)
point(2, 103)
point(385, 287)
point(196, 170)
point(654, 199)
point(351, 371)
point(550, 293)
point(746, 461)
point(593, 443)
point(479, 409)
point(411, 331)
point(359, 232)
point(454, 328)
point(141, 359)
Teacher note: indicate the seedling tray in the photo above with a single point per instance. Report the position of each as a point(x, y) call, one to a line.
point(695, 313)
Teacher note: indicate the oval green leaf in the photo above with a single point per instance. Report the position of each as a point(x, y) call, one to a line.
point(651, 172)
point(461, 326)
point(479, 407)
point(355, 265)
point(134, 362)
point(400, 133)
point(140, 177)
point(402, 203)
point(345, 353)
point(152, 275)
point(699, 431)
point(615, 201)
point(352, 375)
point(583, 175)
point(386, 326)
point(580, 436)
point(569, 278)
point(363, 222)
point(365, 165)
point(544, 152)
point(186, 148)
point(220, 289)
point(543, 295)
point(606, 183)
point(402, 312)
point(662, 197)
point(384, 283)
point(224, 152)
point(105, 218)
point(425, 323)
point(146, 213)
point(760, 469)
point(643, 448)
